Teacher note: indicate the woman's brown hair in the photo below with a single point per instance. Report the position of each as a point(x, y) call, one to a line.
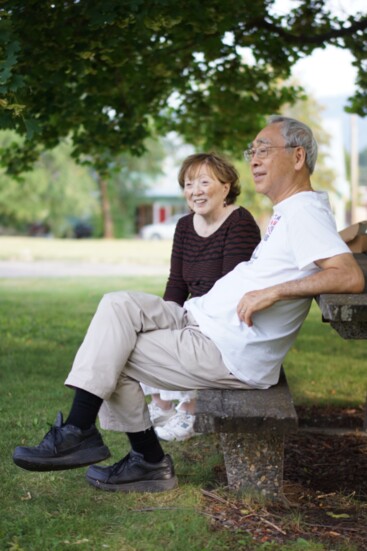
point(221, 168)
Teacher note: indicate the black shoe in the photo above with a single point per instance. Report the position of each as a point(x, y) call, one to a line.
point(63, 447)
point(134, 474)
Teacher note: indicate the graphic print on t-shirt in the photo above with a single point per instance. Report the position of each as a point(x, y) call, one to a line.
point(273, 222)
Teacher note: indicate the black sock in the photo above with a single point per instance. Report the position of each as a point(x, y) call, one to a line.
point(146, 442)
point(84, 409)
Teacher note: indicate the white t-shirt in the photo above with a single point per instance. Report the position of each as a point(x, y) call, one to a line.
point(301, 231)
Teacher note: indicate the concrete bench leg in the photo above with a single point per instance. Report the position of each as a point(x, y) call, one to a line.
point(254, 462)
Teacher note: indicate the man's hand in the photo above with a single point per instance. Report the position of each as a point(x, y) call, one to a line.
point(253, 302)
point(338, 274)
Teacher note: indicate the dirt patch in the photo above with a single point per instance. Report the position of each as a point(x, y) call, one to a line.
point(325, 486)
point(331, 417)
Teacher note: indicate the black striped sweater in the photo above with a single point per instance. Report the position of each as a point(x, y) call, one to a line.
point(197, 262)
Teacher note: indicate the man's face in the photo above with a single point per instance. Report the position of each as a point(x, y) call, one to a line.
point(273, 168)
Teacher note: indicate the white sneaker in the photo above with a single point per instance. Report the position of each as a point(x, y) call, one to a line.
point(159, 416)
point(179, 427)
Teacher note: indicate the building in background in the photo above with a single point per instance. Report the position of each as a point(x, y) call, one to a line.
point(160, 203)
point(165, 199)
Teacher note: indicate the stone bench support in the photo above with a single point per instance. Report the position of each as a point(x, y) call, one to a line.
point(251, 425)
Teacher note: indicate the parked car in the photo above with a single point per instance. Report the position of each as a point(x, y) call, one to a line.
point(78, 228)
point(162, 230)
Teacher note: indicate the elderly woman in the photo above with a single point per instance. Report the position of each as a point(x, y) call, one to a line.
point(207, 244)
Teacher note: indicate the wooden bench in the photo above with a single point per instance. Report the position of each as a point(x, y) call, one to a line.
point(251, 426)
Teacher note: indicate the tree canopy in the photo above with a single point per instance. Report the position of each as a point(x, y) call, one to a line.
point(101, 71)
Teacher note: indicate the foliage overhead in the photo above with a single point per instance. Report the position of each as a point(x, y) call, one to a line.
point(101, 71)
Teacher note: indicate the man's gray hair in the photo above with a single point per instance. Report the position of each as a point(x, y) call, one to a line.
point(297, 133)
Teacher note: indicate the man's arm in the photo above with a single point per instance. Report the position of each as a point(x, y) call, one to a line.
point(338, 274)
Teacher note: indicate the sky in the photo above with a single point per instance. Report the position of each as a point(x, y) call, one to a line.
point(327, 72)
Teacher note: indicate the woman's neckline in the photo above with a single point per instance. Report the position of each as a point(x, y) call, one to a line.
point(215, 227)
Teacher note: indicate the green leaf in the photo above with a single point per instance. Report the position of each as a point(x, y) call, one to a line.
point(32, 128)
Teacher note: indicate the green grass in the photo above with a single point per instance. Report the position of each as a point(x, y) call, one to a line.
point(42, 322)
point(322, 368)
point(112, 251)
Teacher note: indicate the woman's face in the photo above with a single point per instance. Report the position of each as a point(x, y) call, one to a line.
point(204, 193)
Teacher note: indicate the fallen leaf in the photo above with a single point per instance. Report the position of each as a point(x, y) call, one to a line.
point(336, 515)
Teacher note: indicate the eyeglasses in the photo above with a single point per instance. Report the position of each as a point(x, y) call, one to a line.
point(261, 152)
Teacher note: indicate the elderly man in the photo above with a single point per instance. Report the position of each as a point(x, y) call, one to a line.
point(235, 336)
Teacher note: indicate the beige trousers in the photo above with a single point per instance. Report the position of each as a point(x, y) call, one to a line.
point(137, 337)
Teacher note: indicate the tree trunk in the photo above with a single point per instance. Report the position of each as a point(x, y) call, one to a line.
point(108, 230)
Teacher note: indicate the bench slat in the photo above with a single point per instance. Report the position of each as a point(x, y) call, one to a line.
point(235, 411)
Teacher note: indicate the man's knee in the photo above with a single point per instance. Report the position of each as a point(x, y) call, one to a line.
point(115, 296)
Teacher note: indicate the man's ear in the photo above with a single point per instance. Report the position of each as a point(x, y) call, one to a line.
point(299, 157)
